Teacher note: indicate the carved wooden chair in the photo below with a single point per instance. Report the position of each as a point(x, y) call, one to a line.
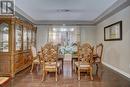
point(50, 61)
point(36, 57)
point(75, 56)
point(98, 55)
point(85, 60)
point(86, 45)
point(59, 60)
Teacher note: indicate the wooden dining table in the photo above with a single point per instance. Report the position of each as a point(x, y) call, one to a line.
point(74, 58)
point(61, 58)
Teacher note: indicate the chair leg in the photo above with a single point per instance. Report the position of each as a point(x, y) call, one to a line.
point(43, 77)
point(97, 67)
point(56, 75)
point(91, 74)
point(37, 67)
point(75, 69)
point(59, 70)
point(32, 67)
point(78, 74)
point(72, 64)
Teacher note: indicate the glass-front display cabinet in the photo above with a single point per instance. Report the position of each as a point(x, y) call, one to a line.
point(16, 36)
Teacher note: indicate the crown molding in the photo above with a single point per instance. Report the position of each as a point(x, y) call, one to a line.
point(21, 14)
point(116, 7)
point(70, 22)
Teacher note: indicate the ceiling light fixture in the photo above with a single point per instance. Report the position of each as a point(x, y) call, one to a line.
point(63, 10)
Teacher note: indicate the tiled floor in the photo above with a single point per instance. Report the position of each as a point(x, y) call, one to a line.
point(105, 78)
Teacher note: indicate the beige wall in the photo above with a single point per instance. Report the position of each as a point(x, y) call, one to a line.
point(87, 34)
point(42, 35)
point(117, 53)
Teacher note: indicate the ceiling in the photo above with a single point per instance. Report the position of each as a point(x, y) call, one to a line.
point(67, 10)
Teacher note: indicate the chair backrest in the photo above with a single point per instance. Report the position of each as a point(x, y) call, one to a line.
point(99, 50)
point(86, 45)
point(47, 45)
point(85, 54)
point(44, 53)
point(53, 55)
point(50, 53)
point(55, 47)
point(33, 51)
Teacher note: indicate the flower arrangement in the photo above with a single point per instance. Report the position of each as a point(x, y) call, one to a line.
point(68, 50)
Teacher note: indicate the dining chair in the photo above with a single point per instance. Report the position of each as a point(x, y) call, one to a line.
point(50, 61)
point(85, 60)
point(75, 56)
point(35, 57)
point(86, 45)
point(97, 56)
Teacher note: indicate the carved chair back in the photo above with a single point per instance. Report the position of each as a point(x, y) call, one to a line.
point(99, 51)
point(33, 51)
point(50, 53)
point(85, 54)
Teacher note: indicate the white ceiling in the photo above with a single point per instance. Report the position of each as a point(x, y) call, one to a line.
point(55, 10)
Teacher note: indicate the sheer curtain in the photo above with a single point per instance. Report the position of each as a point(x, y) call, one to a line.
point(65, 36)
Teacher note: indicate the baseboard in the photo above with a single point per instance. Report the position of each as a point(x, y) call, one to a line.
point(116, 69)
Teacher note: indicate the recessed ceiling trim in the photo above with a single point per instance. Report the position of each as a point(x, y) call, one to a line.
point(116, 7)
point(64, 22)
point(21, 13)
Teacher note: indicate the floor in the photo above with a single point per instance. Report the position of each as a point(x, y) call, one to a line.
point(105, 78)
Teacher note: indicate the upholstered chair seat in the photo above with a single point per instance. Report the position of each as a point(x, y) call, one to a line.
point(82, 65)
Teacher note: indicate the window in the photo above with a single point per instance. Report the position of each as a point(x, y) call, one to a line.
point(65, 36)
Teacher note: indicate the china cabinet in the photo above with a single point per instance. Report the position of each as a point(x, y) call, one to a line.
point(16, 36)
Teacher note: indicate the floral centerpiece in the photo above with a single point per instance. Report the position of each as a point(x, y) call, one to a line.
point(68, 50)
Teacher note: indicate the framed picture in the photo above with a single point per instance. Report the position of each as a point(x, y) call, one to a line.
point(113, 32)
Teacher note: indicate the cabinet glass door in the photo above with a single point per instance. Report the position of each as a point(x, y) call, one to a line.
point(18, 36)
point(33, 37)
point(29, 38)
point(25, 34)
point(4, 37)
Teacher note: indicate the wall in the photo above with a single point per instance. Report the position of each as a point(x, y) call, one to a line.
point(117, 53)
point(87, 34)
point(42, 35)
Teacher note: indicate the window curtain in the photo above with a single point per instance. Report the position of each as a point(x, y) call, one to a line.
point(64, 35)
